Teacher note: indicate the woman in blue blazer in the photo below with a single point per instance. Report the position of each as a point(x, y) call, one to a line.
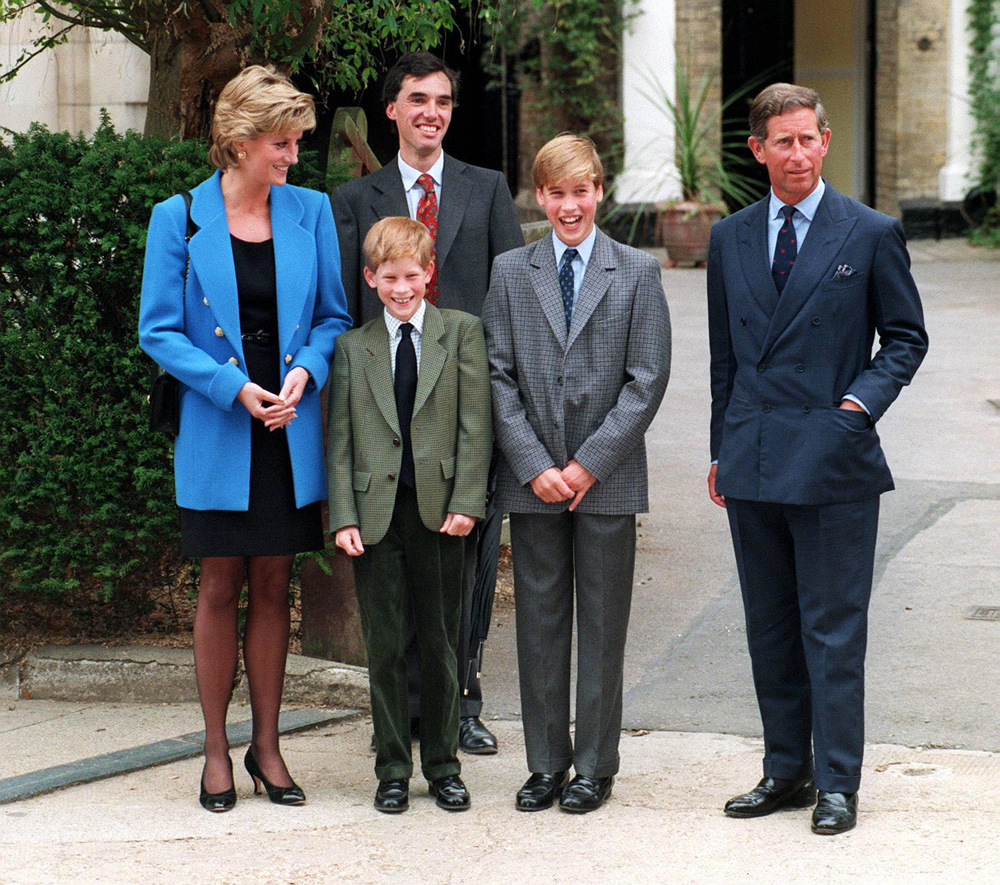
point(248, 327)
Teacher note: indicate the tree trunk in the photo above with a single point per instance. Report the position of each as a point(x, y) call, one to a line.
point(164, 75)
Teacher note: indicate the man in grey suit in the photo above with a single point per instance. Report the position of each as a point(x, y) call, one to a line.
point(471, 215)
point(578, 339)
point(798, 286)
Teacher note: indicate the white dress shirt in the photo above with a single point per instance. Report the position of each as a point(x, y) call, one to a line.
point(395, 336)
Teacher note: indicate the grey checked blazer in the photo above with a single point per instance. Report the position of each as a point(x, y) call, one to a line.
point(450, 428)
point(588, 395)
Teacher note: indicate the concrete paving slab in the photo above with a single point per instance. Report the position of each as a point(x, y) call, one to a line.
point(923, 820)
point(92, 768)
point(144, 675)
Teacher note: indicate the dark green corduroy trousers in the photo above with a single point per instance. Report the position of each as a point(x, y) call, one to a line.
point(412, 567)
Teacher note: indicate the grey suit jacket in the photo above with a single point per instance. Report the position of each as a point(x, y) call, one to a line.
point(450, 428)
point(476, 222)
point(588, 394)
point(781, 366)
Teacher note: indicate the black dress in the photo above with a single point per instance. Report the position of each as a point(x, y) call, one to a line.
point(272, 526)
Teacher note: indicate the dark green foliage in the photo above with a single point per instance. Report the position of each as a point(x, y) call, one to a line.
point(984, 94)
point(87, 507)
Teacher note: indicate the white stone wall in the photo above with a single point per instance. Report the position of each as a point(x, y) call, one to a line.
point(66, 88)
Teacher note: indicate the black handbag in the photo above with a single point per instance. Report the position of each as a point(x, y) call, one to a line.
point(164, 397)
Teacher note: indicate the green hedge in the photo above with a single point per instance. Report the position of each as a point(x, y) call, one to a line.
point(87, 512)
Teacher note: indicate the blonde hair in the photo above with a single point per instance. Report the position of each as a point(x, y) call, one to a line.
point(567, 156)
point(398, 237)
point(257, 101)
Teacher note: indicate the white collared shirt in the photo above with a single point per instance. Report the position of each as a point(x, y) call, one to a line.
point(395, 336)
point(584, 251)
point(413, 190)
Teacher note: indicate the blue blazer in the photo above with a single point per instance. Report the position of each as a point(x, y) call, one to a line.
point(197, 337)
point(781, 366)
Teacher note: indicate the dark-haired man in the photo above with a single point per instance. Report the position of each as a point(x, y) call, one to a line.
point(798, 286)
point(471, 215)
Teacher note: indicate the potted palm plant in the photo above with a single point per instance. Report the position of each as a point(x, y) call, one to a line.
point(707, 165)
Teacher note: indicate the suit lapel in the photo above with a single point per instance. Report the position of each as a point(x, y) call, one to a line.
point(378, 370)
point(456, 192)
point(829, 229)
point(212, 259)
point(544, 280)
point(294, 262)
point(432, 356)
point(388, 197)
point(596, 282)
point(753, 258)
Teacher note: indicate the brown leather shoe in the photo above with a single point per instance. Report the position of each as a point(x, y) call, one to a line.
point(770, 795)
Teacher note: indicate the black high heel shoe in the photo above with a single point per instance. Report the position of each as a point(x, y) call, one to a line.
point(217, 802)
point(292, 795)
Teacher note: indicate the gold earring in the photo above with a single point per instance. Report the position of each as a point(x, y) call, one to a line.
point(242, 155)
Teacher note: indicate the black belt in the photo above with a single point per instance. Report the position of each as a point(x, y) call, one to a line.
point(260, 337)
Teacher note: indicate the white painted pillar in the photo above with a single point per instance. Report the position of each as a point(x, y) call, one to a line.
point(955, 178)
point(648, 172)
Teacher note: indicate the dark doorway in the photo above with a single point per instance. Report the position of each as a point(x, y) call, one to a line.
point(757, 48)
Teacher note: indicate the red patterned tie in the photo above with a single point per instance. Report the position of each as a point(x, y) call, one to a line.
point(427, 214)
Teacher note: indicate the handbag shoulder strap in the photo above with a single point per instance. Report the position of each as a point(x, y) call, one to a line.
point(191, 228)
point(189, 231)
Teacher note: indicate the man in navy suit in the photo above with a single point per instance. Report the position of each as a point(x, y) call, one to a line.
point(798, 285)
point(473, 221)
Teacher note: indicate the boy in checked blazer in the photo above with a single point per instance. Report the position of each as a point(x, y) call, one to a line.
point(409, 447)
point(578, 338)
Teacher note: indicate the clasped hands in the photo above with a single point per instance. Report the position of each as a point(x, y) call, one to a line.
point(275, 409)
point(348, 538)
point(555, 485)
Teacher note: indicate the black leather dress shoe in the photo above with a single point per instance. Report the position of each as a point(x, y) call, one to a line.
point(450, 793)
point(393, 796)
point(770, 795)
point(583, 794)
point(476, 738)
point(835, 813)
point(540, 791)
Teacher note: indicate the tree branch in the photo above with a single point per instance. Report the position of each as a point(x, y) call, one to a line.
point(310, 33)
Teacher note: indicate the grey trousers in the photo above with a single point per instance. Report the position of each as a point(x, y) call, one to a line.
point(554, 555)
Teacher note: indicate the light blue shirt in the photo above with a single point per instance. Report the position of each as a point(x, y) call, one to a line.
point(395, 336)
point(413, 190)
point(584, 251)
point(802, 219)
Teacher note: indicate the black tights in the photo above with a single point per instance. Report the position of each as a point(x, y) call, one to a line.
point(265, 647)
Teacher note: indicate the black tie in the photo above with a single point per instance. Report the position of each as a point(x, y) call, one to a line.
point(405, 388)
point(785, 250)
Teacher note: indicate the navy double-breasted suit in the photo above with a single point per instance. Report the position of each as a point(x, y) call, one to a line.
point(801, 477)
point(194, 333)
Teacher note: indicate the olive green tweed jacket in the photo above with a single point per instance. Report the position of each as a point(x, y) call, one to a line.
point(451, 428)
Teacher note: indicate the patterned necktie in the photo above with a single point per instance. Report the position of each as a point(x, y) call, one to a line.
point(785, 250)
point(427, 214)
point(405, 388)
point(566, 283)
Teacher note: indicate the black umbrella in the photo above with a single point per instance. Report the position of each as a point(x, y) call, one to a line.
point(484, 589)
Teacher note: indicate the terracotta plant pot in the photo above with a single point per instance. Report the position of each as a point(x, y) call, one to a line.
point(684, 228)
